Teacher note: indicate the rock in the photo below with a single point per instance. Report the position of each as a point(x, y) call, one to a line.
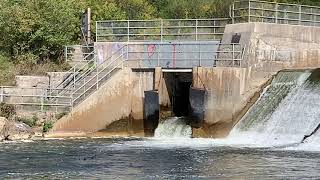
point(3, 122)
point(17, 131)
point(32, 81)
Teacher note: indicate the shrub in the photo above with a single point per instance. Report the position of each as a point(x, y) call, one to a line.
point(29, 121)
point(47, 126)
point(60, 115)
point(7, 110)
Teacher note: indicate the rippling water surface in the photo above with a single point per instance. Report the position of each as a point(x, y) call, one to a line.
point(151, 158)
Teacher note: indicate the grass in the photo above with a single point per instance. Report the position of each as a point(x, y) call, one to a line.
point(26, 65)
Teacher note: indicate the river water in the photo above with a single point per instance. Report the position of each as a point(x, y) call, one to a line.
point(152, 158)
point(265, 144)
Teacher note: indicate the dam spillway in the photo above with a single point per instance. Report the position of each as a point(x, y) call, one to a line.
point(286, 111)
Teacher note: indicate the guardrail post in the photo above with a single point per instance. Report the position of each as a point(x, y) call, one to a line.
point(1, 93)
point(128, 30)
point(159, 50)
point(299, 14)
point(196, 29)
point(249, 11)
point(233, 13)
point(214, 29)
point(276, 9)
point(232, 55)
point(199, 47)
point(42, 101)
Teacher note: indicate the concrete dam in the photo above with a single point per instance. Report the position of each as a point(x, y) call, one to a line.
point(253, 74)
point(225, 89)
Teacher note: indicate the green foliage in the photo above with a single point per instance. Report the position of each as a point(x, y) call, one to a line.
point(60, 115)
point(181, 9)
point(7, 110)
point(34, 32)
point(47, 126)
point(28, 121)
point(6, 71)
point(39, 27)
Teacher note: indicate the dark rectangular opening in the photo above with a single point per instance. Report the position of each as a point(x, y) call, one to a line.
point(178, 85)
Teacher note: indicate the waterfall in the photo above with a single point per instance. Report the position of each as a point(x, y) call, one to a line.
point(286, 112)
point(174, 127)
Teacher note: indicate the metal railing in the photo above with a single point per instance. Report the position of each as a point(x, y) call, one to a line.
point(102, 72)
point(78, 53)
point(150, 55)
point(161, 30)
point(206, 29)
point(38, 98)
point(134, 55)
point(183, 55)
point(271, 12)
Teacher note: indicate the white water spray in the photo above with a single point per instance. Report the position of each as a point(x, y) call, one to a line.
point(174, 127)
point(284, 114)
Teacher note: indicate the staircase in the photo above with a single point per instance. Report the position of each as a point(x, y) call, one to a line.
point(82, 80)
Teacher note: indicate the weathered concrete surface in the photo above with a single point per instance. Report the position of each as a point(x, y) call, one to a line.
point(273, 47)
point(119, 99)
point(56, 78)
point(269, 49)
point(162, 87)
point(32, 81)
point(230, 90)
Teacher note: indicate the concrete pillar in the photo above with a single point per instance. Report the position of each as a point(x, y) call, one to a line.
point(157, 78)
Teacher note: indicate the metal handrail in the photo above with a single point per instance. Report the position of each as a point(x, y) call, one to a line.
point(203, 29)
point(98, 72)
point(75, 69)
point(162, 29)
point(279, 13)
point(114, 61)
point(86, 54)
point(39, 98)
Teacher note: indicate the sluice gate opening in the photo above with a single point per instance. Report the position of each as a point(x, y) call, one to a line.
point(178, 85)
point(186, 102)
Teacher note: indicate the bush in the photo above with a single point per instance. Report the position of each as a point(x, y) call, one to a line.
point(28, 121)
point(6, 71)
point(47, 126)
point(60, 115)
point(7, 110)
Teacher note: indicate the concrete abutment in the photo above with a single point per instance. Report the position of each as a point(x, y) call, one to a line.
point(231, 91)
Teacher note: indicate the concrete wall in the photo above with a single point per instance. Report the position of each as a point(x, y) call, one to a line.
point(269, 49)
point(272, 47)
point(230, 91)
point(119, 99)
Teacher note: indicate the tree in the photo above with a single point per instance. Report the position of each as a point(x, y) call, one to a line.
point(39, 27)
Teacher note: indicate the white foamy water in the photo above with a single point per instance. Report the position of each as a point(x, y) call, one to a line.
point(174, 127)
point(284, 114)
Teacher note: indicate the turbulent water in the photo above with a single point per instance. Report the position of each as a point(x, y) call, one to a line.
point(151, 159)
point(286, 112)
point(265, 144)
point(174, 127)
